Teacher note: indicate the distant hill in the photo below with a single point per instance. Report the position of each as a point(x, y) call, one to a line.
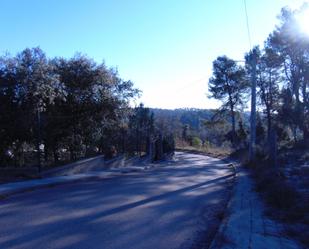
point(175, 121)
point(189, 116)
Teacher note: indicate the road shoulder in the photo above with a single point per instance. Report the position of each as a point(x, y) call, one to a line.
point(245, 225)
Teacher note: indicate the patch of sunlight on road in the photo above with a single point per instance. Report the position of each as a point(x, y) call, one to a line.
point(69, 241)
point(56, 218)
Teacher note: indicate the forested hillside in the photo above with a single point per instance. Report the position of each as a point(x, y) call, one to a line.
point(200, 126)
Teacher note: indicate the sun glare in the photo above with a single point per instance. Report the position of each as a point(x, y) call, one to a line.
point(303, 21)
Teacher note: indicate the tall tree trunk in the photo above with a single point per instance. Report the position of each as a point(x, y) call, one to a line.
point(46, 150)
point(305, 112)
point(273, 148)
point(269, 123)
point(137, 141)
point(72, 153)
point(253, 109)
point(306, 134)
point(232, 119)
point(233, 127)
point(294, 131)
point(123, 140)
point(55, 154)
point(159, 148)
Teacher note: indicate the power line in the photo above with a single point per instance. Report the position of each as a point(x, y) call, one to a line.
point(252, 149)
point(189, 84)
point(247, 22)
point(194, 82)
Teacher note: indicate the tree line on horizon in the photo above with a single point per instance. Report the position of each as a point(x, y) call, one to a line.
point(58, 110)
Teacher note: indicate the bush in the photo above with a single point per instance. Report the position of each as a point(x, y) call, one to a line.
point(168, 144)
point(271, 184)
point(196, 142)
point(110, 152)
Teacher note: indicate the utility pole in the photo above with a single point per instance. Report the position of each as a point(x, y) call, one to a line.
point(253, 107)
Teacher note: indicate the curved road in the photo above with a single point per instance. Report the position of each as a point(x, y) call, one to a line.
point(175, 205)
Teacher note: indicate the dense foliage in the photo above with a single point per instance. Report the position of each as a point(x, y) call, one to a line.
point(200, 127)
point(229, 85)
point(282, 79)
point(64, 109)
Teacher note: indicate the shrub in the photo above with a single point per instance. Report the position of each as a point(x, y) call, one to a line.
point(110, 152)
point(196, 142)
point(278, 193)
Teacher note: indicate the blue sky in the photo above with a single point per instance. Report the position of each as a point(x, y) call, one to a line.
point(166, 47)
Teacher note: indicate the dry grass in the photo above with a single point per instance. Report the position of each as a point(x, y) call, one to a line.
point(273, 186)
point(218, 152)
point(285, 203)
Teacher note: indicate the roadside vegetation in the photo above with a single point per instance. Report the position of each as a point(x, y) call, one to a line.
point(281, 163)
point(281, 71)
point(57, 110)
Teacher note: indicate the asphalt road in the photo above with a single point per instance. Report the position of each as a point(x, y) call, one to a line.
point(173, 206)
